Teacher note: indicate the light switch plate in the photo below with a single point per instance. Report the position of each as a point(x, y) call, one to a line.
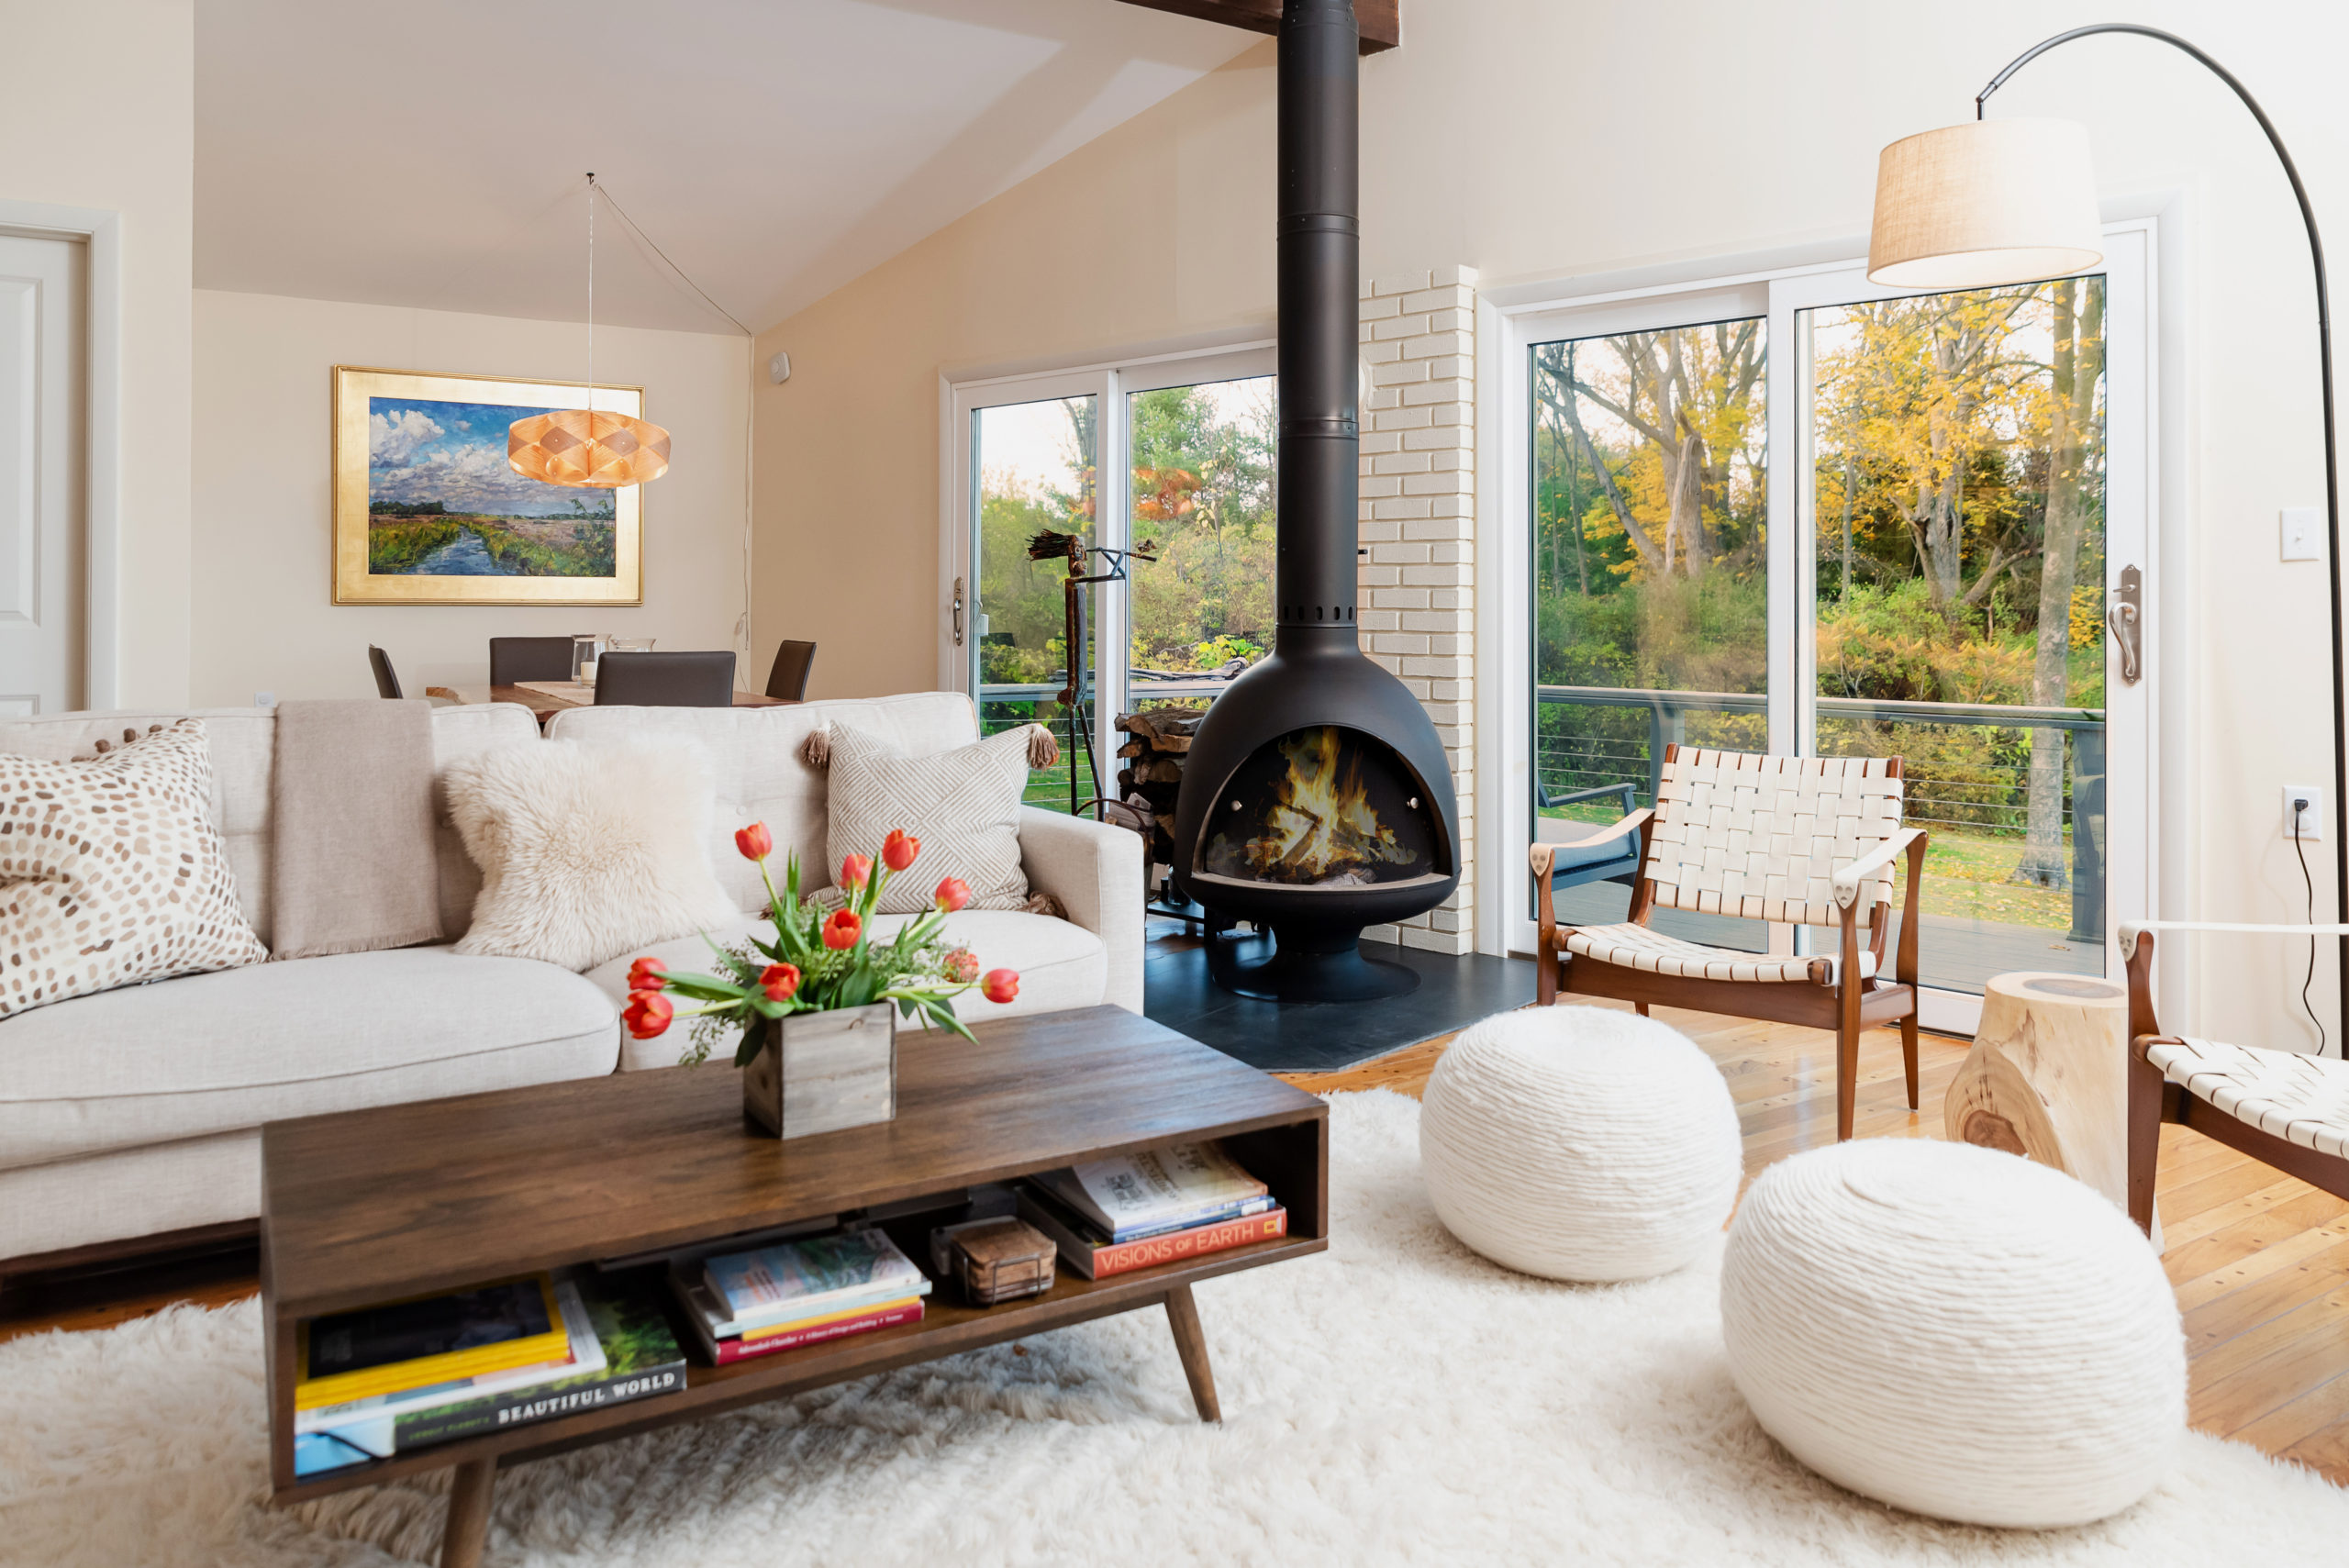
point(2303, 537)
point(264, 699)
point(2312, 820)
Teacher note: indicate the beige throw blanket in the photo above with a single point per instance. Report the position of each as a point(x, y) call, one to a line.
point(351, 807)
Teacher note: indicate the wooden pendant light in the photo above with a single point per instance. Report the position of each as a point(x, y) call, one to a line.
point(588, 449)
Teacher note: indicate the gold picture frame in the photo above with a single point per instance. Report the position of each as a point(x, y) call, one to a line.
point(443, 520)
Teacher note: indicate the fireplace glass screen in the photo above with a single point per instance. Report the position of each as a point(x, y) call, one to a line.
point(1322, 806)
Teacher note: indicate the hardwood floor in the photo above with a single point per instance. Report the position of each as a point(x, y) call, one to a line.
point(2260, 1261)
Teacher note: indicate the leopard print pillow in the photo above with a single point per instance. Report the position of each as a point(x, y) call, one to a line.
point(112, 872)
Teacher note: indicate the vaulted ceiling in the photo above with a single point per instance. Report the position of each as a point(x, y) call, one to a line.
point(431, 152)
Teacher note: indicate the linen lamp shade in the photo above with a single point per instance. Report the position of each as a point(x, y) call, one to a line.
point(588, 449)
point(1984, 203)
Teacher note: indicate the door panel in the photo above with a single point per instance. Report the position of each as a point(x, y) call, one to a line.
point(1033, 471)
point(43, 537)
point(1957, 499)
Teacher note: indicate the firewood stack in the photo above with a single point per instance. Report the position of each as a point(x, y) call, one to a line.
point(1152, 779)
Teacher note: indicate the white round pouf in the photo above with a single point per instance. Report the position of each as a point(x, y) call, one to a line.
point(1579, 1144)
point(1956, 1331)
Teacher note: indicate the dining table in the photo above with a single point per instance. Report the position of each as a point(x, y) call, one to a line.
point(547, 699)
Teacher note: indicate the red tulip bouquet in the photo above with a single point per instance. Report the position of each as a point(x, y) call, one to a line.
point(819, 961)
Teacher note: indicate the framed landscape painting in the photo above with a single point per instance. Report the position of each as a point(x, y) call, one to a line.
point(427, 510)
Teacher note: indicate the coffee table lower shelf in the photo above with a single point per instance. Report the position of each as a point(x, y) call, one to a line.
point(945, 1329)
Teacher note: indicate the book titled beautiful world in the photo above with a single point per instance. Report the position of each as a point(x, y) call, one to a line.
point(429, 1339)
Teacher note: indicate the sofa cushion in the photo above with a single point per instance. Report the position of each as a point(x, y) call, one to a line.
point(962, 807)
point(760, 774)
point(1060, 966)
point(113, 871)
point(213, 1052)
point(244, 750)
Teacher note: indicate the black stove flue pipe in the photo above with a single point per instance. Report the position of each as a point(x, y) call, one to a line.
point(1319, 262)
point(1317, 673)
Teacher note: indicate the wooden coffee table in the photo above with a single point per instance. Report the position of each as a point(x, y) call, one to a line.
point(372, 1205)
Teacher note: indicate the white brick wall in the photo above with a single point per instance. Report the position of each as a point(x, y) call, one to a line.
point(1417, 610)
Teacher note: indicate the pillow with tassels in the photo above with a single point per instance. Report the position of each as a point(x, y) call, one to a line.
point(962, 804)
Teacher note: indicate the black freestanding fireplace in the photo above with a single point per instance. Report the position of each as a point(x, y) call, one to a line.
point(1316, 796)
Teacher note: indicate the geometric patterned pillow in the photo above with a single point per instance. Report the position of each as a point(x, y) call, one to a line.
point(962, 804)
point(111, 871)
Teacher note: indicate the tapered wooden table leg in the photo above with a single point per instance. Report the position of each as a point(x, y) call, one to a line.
point(1191, 1344)
point(468, 1526)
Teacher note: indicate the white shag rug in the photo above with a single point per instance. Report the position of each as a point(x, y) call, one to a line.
point(1398, 1400)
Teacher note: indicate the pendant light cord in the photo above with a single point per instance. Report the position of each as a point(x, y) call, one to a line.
point(749, 343)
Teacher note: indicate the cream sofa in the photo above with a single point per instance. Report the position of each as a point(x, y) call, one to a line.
point(136, 1112)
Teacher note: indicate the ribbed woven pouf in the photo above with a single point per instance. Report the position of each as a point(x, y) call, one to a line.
point(1956, 1331)
point(1579, 1144)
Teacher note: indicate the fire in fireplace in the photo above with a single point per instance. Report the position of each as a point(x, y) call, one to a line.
point(1315, 797)
point(1330, 809)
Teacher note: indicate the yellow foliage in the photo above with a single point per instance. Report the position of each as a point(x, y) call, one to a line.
point(2087, 616)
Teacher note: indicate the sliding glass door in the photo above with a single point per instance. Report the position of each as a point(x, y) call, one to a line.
point(1806, 514)
point(1173, 555)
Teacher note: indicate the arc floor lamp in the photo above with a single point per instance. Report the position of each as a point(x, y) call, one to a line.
point(2011, 201)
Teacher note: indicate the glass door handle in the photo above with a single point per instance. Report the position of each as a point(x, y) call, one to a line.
point(2127, 618)
point(958, 612)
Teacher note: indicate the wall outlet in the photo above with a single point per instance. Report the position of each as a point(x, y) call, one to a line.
point(2311, 821)
point(2303, 537)
point(264, 699)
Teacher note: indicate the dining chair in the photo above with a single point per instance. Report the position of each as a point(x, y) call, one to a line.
point(665, 680)
point(788, 679)
point(1793, 840)
point(518, 658)
point(387, 681)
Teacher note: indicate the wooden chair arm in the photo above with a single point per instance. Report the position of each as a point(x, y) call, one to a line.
point(1541, 856)
point(1847, 878)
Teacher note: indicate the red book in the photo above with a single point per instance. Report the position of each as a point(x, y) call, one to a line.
point(792, 1339)
point(1098, 1259)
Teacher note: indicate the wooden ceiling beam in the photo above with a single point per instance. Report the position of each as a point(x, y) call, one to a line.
point(1380, 21)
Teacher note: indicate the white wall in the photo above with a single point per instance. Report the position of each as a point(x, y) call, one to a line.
point(1535, 140)
point(97, 109)
point(262, 572)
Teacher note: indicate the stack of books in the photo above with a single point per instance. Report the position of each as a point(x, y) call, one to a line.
point(1110, 1217)
point(799, 1293)
point(389, 1379)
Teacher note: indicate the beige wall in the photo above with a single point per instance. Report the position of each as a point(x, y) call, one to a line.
point(1532, 140)
point(263, 479)
point(97, 109)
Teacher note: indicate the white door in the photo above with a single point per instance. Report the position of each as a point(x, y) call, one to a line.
point(44, 554)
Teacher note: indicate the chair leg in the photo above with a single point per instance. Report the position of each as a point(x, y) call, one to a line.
point(2147, 1089)
point(1643, 1006)
point(1545, 977)
point(1908, 1055)
point(1847, 1062)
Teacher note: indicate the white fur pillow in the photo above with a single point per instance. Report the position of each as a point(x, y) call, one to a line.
point(586, 853)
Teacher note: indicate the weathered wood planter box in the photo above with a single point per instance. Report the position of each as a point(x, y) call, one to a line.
point(822, 1071)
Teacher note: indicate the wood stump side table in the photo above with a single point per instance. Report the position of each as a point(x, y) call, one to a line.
point(2048, 1078)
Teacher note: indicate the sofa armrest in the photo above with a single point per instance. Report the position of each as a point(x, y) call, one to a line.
point(1095, 871)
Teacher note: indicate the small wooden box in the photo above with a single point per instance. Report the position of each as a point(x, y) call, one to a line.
point(994, 1260)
